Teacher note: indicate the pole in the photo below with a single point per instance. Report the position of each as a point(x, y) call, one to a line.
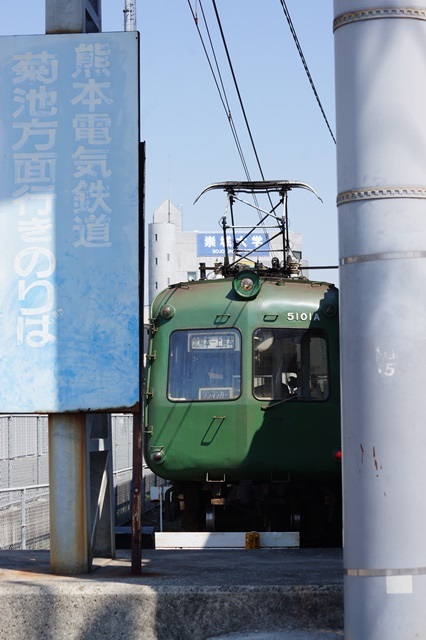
point(380, 61)
point(136, 543)
point(69, 520)
point(69, 528)
point(129, 15)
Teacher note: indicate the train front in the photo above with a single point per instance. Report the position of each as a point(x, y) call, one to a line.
point(242, 408)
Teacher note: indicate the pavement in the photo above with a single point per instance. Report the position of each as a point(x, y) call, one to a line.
point(238, 594)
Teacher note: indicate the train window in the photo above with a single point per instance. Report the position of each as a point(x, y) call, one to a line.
point(290, 363)
point(204, 364)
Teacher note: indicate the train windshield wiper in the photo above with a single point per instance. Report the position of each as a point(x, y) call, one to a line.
point(275, 404)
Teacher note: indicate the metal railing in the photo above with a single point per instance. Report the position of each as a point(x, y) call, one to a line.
point(24, 517)
point(24, 509)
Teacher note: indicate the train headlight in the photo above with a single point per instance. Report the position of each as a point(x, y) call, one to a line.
point(246, 284)
point(330, 310)
point(157, 455)
point(167, 311)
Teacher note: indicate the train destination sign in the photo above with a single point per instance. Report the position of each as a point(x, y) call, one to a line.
point(212, 341)
point(69, 211)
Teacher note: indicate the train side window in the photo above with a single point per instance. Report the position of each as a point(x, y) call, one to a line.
point(204, 365)
point(290, 363)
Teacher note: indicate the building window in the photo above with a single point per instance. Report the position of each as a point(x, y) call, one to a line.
point(191, 275)
point(156, 261)
point(156, 237)
point(168, 257)
point(156, 285)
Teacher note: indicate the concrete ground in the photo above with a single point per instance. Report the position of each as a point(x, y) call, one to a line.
point(262, 594)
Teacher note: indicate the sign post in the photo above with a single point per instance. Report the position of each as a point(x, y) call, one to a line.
point(69, 264)
point(69, 526)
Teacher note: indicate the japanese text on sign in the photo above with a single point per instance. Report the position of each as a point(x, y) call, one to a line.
point(35, 124)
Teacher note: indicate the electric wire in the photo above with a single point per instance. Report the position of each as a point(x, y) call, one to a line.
point(225, 100)
point(223, 97)
point(305, 64)
point(217, 77)
point(237, 88)
point(243, 111)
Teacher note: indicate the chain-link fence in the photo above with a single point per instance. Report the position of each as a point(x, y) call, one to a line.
point(24, 477)
point(24, 517)
point(24, 445)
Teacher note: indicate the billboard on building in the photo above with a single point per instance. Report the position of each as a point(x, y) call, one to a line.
point(213, 244)
point(69, 211)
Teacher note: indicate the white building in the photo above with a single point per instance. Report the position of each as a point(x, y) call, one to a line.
point(174, 255)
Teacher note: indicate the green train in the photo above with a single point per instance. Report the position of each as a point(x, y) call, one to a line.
point(242, 408)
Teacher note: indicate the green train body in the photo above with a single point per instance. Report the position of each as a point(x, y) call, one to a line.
point(243, 401)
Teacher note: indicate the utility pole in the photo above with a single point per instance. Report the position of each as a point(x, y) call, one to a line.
point(129, 15)
point(380, 61)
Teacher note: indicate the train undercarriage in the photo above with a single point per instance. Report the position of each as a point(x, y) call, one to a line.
point(312, 509)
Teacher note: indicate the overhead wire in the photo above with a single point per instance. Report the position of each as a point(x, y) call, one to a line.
point(217, 77)
point(221, 89)
point(305, 64)
point(237, 88)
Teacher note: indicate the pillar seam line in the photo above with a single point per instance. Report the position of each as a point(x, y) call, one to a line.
point(377, 573)
point(384, 255)
point(351, 17)
point(380, 193)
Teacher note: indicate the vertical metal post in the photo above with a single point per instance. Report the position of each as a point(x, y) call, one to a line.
point(69, 526)
point(23, 518)
point(39, 450)
point(137, 495)
point(380, 60)
point(138, 418)
point(129, 15)
point(9, 451)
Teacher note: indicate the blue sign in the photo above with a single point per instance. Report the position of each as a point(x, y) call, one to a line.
point(69, 211)
point(213, 244)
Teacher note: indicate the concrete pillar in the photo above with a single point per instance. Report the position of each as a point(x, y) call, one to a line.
point(73, 16)
point(69, 522)
point(380, 61)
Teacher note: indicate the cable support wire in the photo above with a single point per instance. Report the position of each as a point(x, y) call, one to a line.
point(237, 88)
point(217, 76)
point(222, 94)
point(305, 64)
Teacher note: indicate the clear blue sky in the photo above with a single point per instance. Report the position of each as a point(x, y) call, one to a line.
point(188, 138)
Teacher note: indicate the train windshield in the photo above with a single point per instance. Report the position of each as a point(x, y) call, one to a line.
point(205, 364)
point(290, 363)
